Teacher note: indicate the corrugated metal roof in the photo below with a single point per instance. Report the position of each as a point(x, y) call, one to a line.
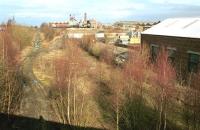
point(178, 27)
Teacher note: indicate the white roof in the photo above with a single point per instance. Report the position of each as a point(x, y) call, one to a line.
point(178, 27)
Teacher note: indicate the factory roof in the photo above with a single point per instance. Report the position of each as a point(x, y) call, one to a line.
point(178, 27)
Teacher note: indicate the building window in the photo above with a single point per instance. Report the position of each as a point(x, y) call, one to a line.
point(193, 61)
point(154, 51)
point(171, 54)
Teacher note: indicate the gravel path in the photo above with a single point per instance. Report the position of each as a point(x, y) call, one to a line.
point(35, 102)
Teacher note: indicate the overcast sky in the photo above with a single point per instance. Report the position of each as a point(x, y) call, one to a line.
point(34, 12)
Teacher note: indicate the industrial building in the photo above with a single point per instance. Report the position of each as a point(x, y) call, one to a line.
point(135, 26)
point(3, 28)
point(74, 23)
point(181, 38)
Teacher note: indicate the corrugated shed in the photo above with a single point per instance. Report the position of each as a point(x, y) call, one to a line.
point(178, 27)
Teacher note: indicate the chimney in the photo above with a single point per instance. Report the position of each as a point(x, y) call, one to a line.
point(85, 17)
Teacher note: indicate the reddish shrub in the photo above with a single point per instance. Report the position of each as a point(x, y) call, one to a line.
point(9, 48)
point(137, 65)
point(107, 55)
point(165, 73)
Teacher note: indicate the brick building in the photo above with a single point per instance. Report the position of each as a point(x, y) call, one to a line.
point(181, 38)
point(2, 28)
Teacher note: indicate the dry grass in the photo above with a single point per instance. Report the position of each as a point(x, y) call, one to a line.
point(23, 34)
point(43, 68)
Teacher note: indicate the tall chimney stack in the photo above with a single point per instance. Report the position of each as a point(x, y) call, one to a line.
point(85, 17)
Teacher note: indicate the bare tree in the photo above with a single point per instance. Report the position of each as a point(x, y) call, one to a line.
point(68, 69)
point(165, 81)
point(11, 82)
point(191, 102)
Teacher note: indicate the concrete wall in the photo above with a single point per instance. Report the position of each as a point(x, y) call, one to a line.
point(75, 35)
point(100, 35)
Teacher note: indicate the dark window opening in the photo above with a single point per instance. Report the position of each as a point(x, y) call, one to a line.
point(193, 62)
point(154, 52)
point(171, 55)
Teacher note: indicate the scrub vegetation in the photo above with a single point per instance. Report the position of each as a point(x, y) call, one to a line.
point(86, 88)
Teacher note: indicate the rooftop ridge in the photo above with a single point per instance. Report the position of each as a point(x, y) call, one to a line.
point(178, 27)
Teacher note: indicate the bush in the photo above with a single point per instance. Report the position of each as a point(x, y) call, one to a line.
point(24, 35)
point(102, 52)
point(136, 115)
point(96, 50)
point(11, 80)
point(107, 55)
point(49, 33)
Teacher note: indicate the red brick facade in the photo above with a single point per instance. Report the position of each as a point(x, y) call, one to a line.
point(182, 45)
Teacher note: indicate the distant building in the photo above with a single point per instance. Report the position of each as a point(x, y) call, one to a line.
point(134, 25)
point(135, 38)
point(59, 24)
point(74, 23)
point(126, 24)
point(181, 38)
point(2, 28)
point(93, 23)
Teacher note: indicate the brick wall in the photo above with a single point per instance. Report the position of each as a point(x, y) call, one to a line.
point(181, 44)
